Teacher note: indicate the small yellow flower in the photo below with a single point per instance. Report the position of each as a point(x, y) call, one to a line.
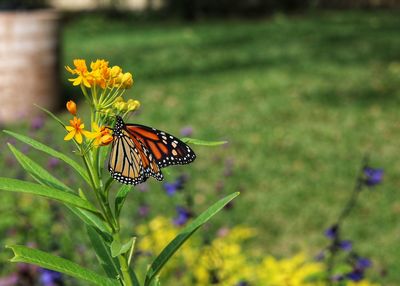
point(71, 106)
point(98, 64)
point(127, 80)
point(133, 105)
point(75, 130)
point(100, 134)
point(81, 71)
point(120, 106)
point(115, 71)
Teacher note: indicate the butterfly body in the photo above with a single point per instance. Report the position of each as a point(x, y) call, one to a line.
point(139, 152)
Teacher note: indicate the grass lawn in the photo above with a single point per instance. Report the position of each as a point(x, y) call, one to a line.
point(300, 99)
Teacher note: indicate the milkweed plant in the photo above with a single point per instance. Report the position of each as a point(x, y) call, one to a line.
point(97, 200)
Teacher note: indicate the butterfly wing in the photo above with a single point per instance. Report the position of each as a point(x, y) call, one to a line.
point(125, 162)
point(165, 148)
point(139, 152)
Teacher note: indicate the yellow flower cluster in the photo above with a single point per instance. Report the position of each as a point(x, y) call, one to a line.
point(224, 261)
point(103, 86)
point(100, 74)
point(126, 106)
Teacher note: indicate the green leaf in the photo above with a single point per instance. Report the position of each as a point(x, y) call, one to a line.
point(134, 278)
point(92, 220)
point(37, 172)
point(48, 261)
point(178, 241)
point(14, 185)
point(51, 114)
point(45, 178)
point(110, 265)
point(127, 246)
point(202, 142)
point(118, 248)
point(41, 147)
point(120, 199)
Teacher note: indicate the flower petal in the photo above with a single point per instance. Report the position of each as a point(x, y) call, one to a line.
point(78, 137)
point(70, 135)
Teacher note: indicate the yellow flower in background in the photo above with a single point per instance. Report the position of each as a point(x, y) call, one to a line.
point(75, 130)
point(100, 134)
point(71, 106)
point(81, 71)
point(289, 271)
point(225, 259)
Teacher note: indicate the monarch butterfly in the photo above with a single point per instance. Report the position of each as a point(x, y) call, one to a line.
point(139, 152)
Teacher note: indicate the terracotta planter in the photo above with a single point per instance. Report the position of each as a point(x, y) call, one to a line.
point(28, 62)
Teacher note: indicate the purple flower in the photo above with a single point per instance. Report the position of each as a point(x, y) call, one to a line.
point(355, 275)
point(363, 263)
point(53, 163)
point(373, 176)
point(144, 210)
point(37, 123)
point(182, 217)
point(25, 149)
point(172, 188)
point(345, 245)
point(187, 131)
point(243, 283)
point(50, 277)
point(332, 232)
point(9, 280)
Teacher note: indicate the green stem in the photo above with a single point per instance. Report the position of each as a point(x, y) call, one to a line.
point(105, 211)
point(125, 270)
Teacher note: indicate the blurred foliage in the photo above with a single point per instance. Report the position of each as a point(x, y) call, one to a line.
point(225, 260)
point(300, 100)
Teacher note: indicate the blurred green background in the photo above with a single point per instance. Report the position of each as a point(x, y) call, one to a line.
point(300, 97)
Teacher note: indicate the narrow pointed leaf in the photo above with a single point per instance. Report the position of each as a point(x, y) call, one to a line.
point(41, 147)
point(14, 185)
point(43, 177)
point(37, 172)
point(178, 241)
point(120, 198)
point(202, 142)
point(134, 278)
point(110, 265)
point(33, 256)
point(92, 220)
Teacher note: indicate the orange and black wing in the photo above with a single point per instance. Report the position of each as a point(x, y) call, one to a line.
point(165, 148)
point(139, 152)
point(125, 162)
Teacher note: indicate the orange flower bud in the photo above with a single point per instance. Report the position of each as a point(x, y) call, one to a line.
point(71, 106)
point(106, 139)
